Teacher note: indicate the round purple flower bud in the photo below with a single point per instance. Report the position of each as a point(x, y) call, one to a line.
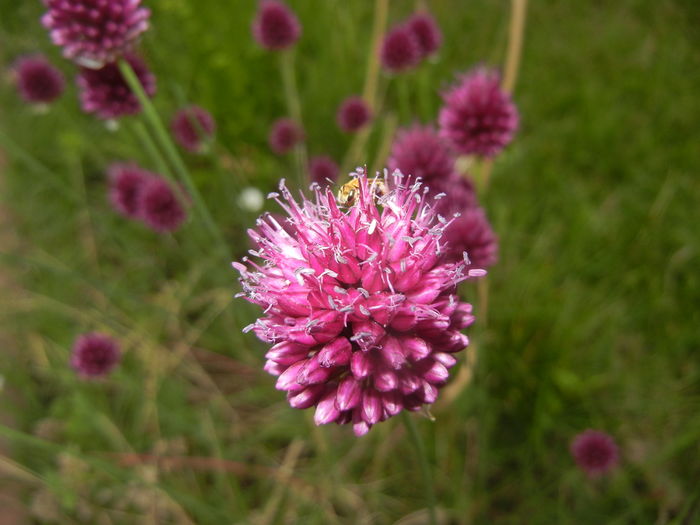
point(353, 114)
point(323, 169)
point(595, 452)
point(361, 310)
point(276, 26)
point(94, 355)
point(421, 152)
point(284, 135)
point(400, 50)
point(126, 182)
point(427, 32)
point(95, 32)
point(159, 207)
point(38, 81)
point(105, 92)
point(478, 116)
point(192, 127)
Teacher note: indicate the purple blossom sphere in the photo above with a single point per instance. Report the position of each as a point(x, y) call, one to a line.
point(322, 169)
point(421, 152)
point(95, 32)
point(595, 452)
point(94, 355)
point(276, 26)
point(400, 50)
point(427, 33)
point(192, 127)
point(126, 182)
point(38, 81)
point(284, 135)
point(353, 114)
point(470, 232)
point(159, 207)
point(478, 116)
point(105, 92)
point(362, 312)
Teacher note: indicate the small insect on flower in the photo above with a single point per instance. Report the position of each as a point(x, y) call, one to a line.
point(350, 191)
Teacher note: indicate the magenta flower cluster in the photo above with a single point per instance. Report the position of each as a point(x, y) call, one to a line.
point(95, 32)
point(105, 92)
point(360, 307)
point(323, 169)
point(284, 135)
point(192, 127)
point(353, 114)
point(146, 197)
point(595, 452)
point(94, 355)
point(478, 116)
point(275, 26)
point(38, 81)
point(408, 43)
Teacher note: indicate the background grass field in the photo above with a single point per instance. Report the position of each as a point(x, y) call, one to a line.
point(592, 322)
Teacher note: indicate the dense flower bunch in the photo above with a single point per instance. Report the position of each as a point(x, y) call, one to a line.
point(595, 452)
point(323, 169)
point(276, 26)
point(94, 355)
point(284, 135)
point(106, 93)
point(427, 33)
point(419, 151)
point(408, 43)
point(38, 81)
point(95, 32)
point(359, 305)
point(145, 196)
point(478, 117)
point(192, 127)
point(353, 114)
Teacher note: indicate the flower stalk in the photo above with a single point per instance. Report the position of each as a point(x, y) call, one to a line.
point(424, 465)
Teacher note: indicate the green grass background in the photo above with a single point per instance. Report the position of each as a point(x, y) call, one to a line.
point(593, 316)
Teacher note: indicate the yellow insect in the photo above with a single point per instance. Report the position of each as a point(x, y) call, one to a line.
point(350, 191)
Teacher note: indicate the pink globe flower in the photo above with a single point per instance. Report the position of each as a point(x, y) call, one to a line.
point(126, 182)
point(400, 50)
point(421, 152)
point(478, 116)
point(427, 32)
point(105, 92)
point(362, 312)
point(323, 169)
point(192, 127)
point(284, 135)
point(276, 26)
point(159, 206)
point(95, 32)
point(38, 81)
point(595, 452)
point(353, 114)
point(94, 355)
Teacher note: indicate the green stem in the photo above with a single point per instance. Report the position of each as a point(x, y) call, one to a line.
point(425, 91)
point(424, 465)
point(171, 152)
point(291, 95)
point(404, 99)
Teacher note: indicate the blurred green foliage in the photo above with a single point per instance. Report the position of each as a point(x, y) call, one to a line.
point(593, 317)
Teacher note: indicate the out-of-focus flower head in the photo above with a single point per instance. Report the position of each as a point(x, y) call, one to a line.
point(38, 81)
point(595, 452)
point(94, 355)
point(427, 32)
point(192, 127)
point(478, 116)
point(421, 152)
point(275, 26)
point(95, 32)
point(284, 135)
point(105, 92)
point(323, 169)
point(126, 183)
point(251, 199)
point(400, 50)
point(470, 232)
point(359, 305)
point(159, 206)
point(353, 114)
